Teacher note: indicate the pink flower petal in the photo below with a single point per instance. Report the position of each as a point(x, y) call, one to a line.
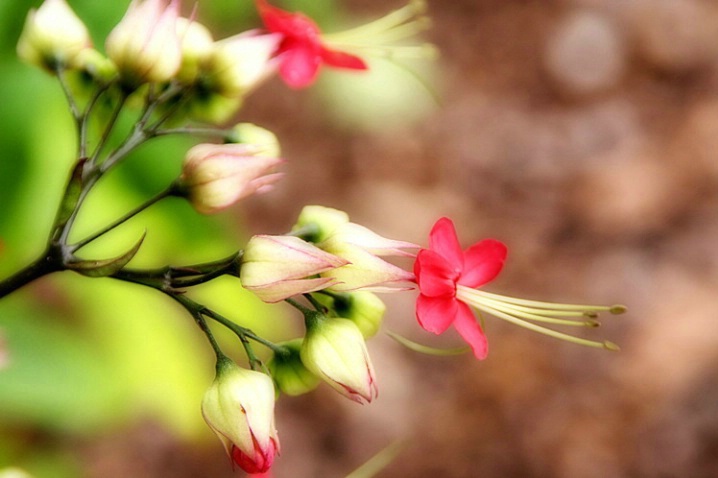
point(443, 240)
point(483, 262)
point(435, 276)
point(300, 66)
point(470, 330)
point(340, 59)
point(281, 21)
point(435, 314)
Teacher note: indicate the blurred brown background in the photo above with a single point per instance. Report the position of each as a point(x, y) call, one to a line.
point(584, 134)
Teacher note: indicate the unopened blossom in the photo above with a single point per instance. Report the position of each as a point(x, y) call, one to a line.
point(53, 36)
point(240, 63)
point(304, 49)
point(145, 45)
point(363, 308)
point(359, 246)
point(290, 374)
point(275, 268)
point(261, 138)
point(239, 408)
point(362, 248)
point(448, 278)
point(215, 176)
point(315, 223)
point(334, 349)
point(196, 46)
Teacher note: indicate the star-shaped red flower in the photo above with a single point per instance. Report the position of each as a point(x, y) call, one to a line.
point(302, 51)
point(441, 268)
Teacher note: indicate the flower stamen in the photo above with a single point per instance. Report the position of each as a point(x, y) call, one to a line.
point(374, 38)
point(521, 311)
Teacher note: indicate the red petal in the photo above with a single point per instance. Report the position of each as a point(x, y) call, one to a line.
point(470, 330)
point(483, 262)
point(435, 314)
point(262, 460)
point(291, 24)
point(339, 59)
point(435, 276)
point(300, 66)
point(444, 241)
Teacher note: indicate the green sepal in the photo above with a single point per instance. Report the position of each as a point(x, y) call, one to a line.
point(105, 267)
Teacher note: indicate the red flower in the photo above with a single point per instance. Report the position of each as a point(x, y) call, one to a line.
point(448, 279)
point(302, 51)
point(444, 266)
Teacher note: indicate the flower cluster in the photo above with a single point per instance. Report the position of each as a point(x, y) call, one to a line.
point(327, 267)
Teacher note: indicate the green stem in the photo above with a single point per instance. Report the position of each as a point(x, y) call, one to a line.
point(241, 332)
point(74, 109)
point(197, 311)
point(108, 128)
point(167, 192)
point(218, 132)
point(169, 277)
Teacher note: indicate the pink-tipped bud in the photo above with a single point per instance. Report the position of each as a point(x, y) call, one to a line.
point(145, 46)
point(240, 63)
point(275, 268)
point(215, 176)
point(239, 408)
point(334, 350)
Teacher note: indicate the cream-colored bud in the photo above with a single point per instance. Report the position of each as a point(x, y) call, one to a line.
point(197, 45)
point(240, 63)
point(144, 45)
point(215, 176)
point(264, 140)
point(363, 308)
point(334, 349)
point(324, 219)
point(53, 36)
point(96, 65)
point(277, 267)
point(239, 408)
point(289, 373)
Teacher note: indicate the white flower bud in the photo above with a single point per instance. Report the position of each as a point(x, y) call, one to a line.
point(53, 36)
point(144, 45)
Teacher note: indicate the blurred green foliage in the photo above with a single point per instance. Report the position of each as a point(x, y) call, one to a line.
point(89, 356)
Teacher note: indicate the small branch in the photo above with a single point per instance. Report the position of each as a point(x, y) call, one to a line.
point(197, 311)
point(167, 192)
point(42, 266)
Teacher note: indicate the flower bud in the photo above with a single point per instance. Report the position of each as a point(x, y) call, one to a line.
point(363, 308)
point(289, 373)
point(96, 65)
point(239, 408)
point(144, 45)
point(196, 46)
point(264, 140)
point(324, 219)
point(215, 176)
point(334, 349)
point(277, 267)
point(361, 248)
point(53, 36)
point(240, 63)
